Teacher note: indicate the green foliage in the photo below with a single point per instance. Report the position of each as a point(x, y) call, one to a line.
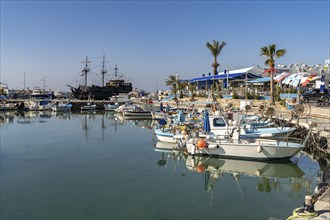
point(218, 88)
point(235, 96)
point(277, 93)
point(282, 102)
point(192, 88)
point(181, 87)
point(215, 48)
point(172, 83)
point(256, 96)
point(270, 52)
point(249, 95)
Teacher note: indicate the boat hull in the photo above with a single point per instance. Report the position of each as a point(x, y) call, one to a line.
point(137, 114)
point(88, 107)
point(246, 150)
point(99, 92)
point(164, 136)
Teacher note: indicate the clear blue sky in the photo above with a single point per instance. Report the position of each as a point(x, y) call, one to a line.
point(150, 40)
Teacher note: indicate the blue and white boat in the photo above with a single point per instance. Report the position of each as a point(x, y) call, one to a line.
point(111, 106)
point(254, 121)
point(165, 135)
point(219, 126)
point(62, 107)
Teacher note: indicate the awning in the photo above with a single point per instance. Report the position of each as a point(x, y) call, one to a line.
point(239, 74)
point(260, 80)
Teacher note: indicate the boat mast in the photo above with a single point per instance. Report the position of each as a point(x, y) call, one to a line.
point(85, 70)
point(43, 83)
point(116, 71)
point(103, 71)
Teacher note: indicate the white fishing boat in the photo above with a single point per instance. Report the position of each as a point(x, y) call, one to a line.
point(166, 135)
point(235, 147)
point(88, 106)
point(137, 112)
point(7, 106)
point(39, 105)
point(219, 127)
point(256, 122)
point(111, 106)
point(62, 107)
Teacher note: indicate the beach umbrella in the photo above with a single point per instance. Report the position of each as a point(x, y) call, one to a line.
point(322, 86)
point(161, 108)
point(206, 127)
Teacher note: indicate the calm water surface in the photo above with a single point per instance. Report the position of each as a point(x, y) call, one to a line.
point(92, 166)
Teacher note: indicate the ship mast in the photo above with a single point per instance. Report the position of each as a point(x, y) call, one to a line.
point(103, 71)
point(116, 71)
point(85, 70)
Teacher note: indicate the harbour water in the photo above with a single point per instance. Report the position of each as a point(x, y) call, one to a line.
point(95, 166)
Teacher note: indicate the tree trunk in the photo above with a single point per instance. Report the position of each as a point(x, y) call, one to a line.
point(272, 98)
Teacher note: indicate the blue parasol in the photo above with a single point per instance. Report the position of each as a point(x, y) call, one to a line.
point(322, 86)
point(161, 108)
point(206, 127)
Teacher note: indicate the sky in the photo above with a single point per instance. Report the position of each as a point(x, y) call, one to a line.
point(43, 43)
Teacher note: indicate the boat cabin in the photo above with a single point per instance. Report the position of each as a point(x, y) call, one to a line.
point(219, 125)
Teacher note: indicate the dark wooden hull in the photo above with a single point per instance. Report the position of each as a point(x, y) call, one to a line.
point(98, 92)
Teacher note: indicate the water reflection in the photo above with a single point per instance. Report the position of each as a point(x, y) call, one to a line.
point(267, 173)
point(169, 151)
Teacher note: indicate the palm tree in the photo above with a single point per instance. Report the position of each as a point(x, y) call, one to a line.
point(192, 89)
point(172, 82)
point(181, 87)
point(271, 52)
point(215, 49)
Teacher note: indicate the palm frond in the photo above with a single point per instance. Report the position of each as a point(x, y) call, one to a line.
point(280, 53)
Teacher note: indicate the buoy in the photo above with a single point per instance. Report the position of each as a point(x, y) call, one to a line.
point(200, 168)
point(201, 143)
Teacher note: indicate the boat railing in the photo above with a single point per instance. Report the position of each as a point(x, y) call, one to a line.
point(277, 140)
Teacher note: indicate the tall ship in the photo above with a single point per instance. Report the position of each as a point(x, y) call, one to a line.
point(112, 88)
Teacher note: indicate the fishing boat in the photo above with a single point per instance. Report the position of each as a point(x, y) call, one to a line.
point(136, 112)
point(256, 122)
point(4, 106)
point(220, 126)
point(103, 92)
point(88, 106)
point(39, 105)
point(235, 147)
point(165, 135)
point(62, 107)
point(111, 106)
